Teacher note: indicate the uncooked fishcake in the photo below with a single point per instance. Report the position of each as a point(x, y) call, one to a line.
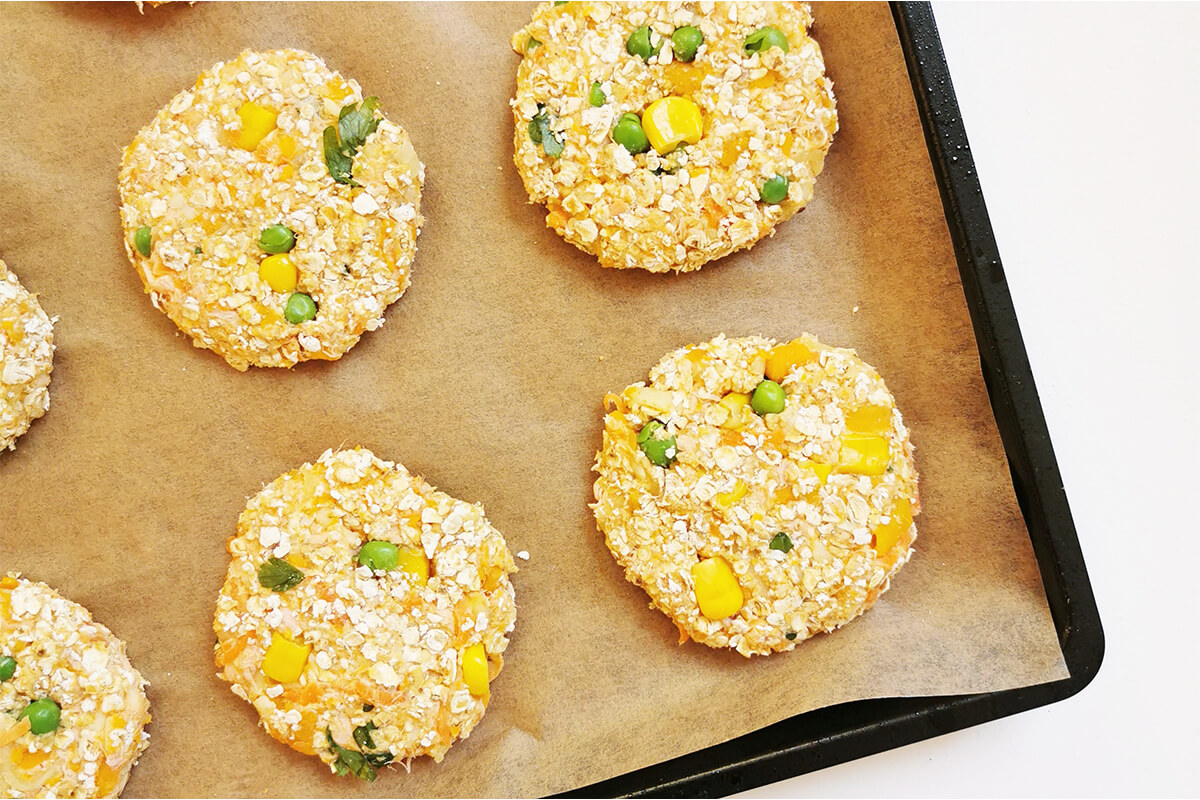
point(364, 612)
point(271, 212)
point(26, 359)
point(759, 493)
point(665, 135)
point(72, 708)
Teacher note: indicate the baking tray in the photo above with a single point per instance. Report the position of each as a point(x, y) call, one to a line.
point(840, 733)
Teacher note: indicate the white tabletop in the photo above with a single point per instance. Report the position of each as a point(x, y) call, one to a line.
point(1084, 121)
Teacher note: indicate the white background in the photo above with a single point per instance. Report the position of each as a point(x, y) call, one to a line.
point(1084, 121)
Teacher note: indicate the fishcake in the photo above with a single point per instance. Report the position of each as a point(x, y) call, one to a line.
point(666, 135)
point(271, 211)
point(760, 493)
point(73, 710)
point(364, 612)
point(26, 359)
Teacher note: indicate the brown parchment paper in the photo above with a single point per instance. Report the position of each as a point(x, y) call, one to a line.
point(487, 379)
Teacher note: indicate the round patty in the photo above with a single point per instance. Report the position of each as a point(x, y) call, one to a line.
point(759, 493)
point(26, 359)
point(364, 612)
point(211, 189)
point(72, 708)
point(756, 113)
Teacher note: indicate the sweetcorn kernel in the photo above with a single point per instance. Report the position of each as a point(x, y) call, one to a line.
point(279, 272)
point(671, 121)
point(285, 659)
point(257, 122)
point(414, 563)
point(718, 592)
point(737, 405)
point(475, 669)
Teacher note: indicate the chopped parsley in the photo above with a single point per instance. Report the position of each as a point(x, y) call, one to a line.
point(278, 575)
point(354, 125)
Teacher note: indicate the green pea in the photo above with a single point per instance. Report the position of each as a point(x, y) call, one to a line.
point(774, 190)
point(768, 398)
point(764, 39)
point(643, 43)
point(686, 41)
point(278, 238)
point(657, 446)
point(43, 715)
point(781, 542)
point(141, 240)
point(379, 555)
point(596, 96)
point(299, 308)
point(629, 134)
point(8, 665)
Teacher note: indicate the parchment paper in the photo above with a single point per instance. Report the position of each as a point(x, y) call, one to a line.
point(487, 379)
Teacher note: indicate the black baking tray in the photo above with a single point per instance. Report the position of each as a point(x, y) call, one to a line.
point(840, 733)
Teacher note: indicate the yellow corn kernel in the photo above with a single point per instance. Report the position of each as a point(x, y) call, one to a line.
point(279, 272)
point(822, 470)
point(717, 590)
point(656, 401)
point(863, 454)
point(870, 419)
point(13, 328)
point(684, 78)
point(257, 122)
point(285, 659)
point(8, 582)
point(475, 669)
point(886, 536)
point(286, 144)
point(737, 404)
point(414, 563)
point(786, 357)
point(727, 499)
point(671, 121)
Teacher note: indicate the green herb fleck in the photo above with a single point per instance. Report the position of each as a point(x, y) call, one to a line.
point(196, 251)
point(352, 762)
point(657, 446)
point(341, 141)
point(790, 635)
point(368, 707)
point(532, 44)
point(540, 133)
point(781, 542)
point(278, 575)
point(362, 736)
